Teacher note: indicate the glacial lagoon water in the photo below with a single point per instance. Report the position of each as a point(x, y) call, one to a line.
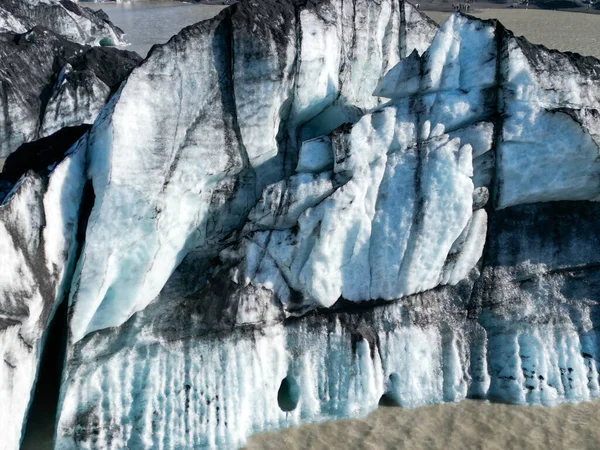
point(154, 22)
point(469, 424)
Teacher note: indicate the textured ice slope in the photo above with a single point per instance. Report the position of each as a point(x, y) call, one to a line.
point(296, 249)
point(38, 226)
point(64, 17)
point(10, 23)
point(210, 132)
point(49, 83)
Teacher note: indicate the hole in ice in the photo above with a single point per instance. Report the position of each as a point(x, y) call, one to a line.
point(389, 398)
point(289, 394)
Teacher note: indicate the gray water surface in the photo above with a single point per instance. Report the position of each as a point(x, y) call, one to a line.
point(154, 22)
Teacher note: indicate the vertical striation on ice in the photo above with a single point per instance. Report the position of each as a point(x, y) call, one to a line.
point(38, 246)
point(199, 153)
point(271, 243)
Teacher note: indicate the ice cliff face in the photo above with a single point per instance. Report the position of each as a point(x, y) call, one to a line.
point(38, 246)
point(270, 243)
point(443, 241)
point(262, 140)
point(65, 17)
point(49, 83)
point(256, 92)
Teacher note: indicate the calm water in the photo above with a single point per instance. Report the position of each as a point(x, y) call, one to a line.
point(154, 22)
point(574, 32)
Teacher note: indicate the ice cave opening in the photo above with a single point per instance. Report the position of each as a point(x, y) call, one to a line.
point(288, 395)
point(389, 398)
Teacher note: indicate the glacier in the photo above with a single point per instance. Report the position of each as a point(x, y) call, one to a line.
point(181, 205)
point(297, 210)
point(50, 76)
point(50, 83)
point(64, 17)
point(51, 91)
point(38, 230)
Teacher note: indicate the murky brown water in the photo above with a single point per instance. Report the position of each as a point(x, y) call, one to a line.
point(564, 31)
point(467, 425)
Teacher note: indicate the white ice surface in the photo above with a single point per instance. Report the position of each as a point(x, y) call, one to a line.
point(545, 154)
point(316, 155)
point(387, 232)
point(9, 23)
point(37, 247)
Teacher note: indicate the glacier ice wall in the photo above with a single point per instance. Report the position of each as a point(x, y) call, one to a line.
point(170, 389)
point(38, 247)
point(253, 94)
point(47, 85)
point(302, 208)
point(297, 249)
